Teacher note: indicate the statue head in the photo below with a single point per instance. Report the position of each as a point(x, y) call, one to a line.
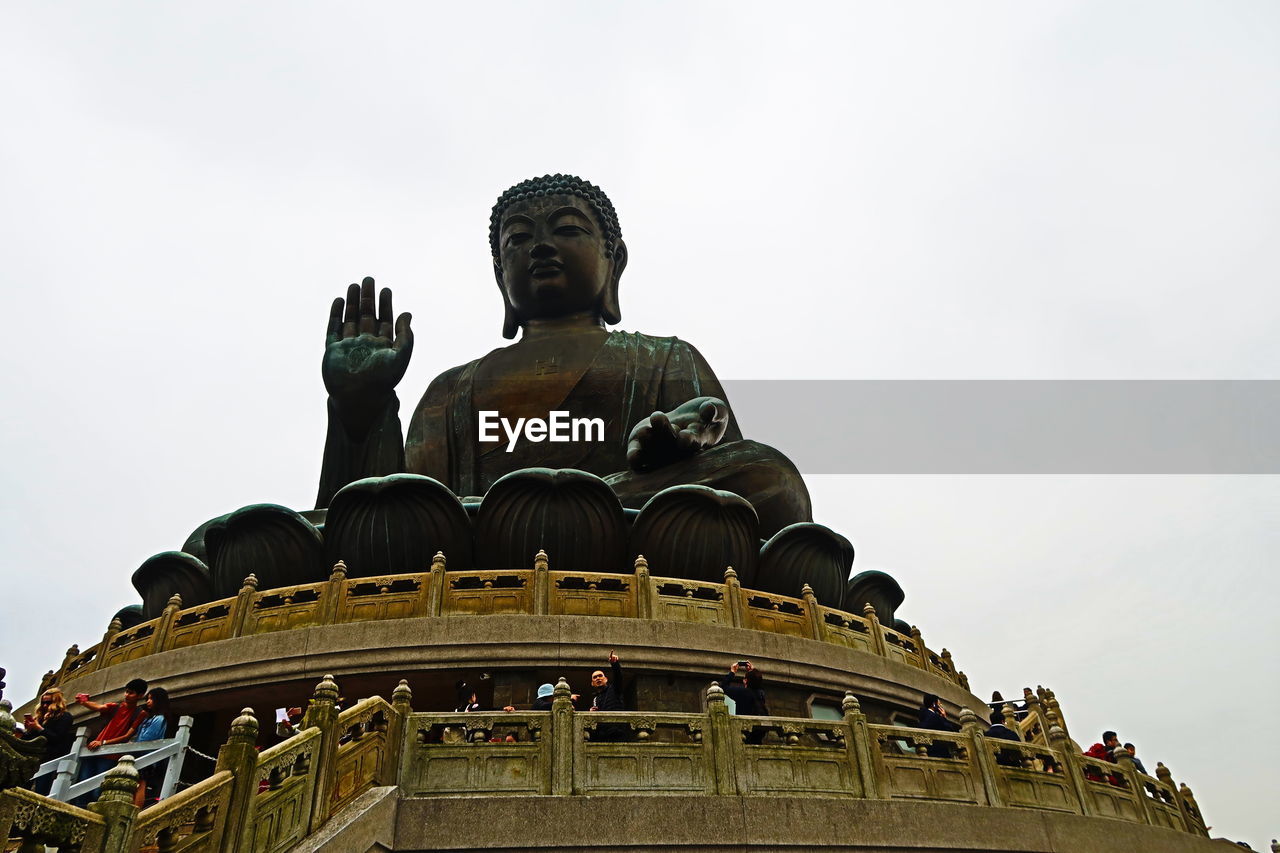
point(557, 250)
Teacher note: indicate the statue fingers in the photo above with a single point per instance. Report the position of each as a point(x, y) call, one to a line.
point(404, 334)
point(334, 333)
point(353, 311)
point(368, 319)
point(385, 314)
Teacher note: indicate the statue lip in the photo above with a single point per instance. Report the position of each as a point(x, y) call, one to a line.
point(545, 267)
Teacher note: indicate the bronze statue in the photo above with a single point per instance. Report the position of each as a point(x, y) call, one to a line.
point(558, 258)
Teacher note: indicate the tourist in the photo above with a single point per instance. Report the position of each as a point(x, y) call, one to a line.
point(288, 727)
point(546, 695)
point(122, 721)
point(1137, 762)
point(999, 730)
point(1104, 751)
point(52, 721)
point(154, 726)
point(744, 685)
point(608, 697)
point(933, 716)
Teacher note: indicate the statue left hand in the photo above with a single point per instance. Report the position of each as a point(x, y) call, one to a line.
point(666, 437)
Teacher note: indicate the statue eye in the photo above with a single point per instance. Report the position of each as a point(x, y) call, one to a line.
point(517, 238)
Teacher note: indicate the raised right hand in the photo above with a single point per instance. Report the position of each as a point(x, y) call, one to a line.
point(362, 361)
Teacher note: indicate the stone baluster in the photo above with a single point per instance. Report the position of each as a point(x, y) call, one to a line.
point(115, 627)
point(816, 624)
point(160, 639)
point(1189, 804)
point(239, 756)
point(726, 746)
point(859, 747)
point(115, 805)
point(46, 681)
point(1035, 712)
point(541, 583)
point(1061, 745)
point(921, 649)
point(733, 601)
point(1051, 701)
point(1188, 821)
point(1129, 771)
point(981, 760)
point(562, 740)
point(401, 708)
point(878, 643)
point(644, 589)
point(243, 606)
point(435, 587)
point(334, 595)
point(72, 654)
point(322, 713)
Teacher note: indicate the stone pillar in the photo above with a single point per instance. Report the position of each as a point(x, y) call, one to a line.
point(724, 750)
point(115, 804)
point(1124, 761)
point(160, 639)
point(72, 654)
point(644, 589)
point(982, 760)
point(562, 741)
point(1061, 745)
point(322, 713)
point(335, 593)
point(859, 747)
point(243, 606)
point(541, 583)
point(435, 586)
point(733, 599)
point(817, 627)
point(239, 756)
point(1191, 808)
point(397, 726)
point(873, 628)
point(114, 628)
point(921, 649)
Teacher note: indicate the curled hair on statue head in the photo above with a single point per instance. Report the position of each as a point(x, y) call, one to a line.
point(606, 217)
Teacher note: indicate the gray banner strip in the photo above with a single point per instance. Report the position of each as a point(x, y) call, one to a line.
point(1015, 427)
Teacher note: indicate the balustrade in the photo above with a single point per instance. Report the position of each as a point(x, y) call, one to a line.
point(488, 592)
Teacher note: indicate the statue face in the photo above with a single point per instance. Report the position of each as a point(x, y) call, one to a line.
point(553, 259)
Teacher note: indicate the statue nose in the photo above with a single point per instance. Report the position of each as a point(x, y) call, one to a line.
point(542, 249)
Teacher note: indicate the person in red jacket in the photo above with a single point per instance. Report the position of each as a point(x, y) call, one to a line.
point(1104, 751)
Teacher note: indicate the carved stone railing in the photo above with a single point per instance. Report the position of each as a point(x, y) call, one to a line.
point(538, 590)
point(571, 753)
point(255, 802)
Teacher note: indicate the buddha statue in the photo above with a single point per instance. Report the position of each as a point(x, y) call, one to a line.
point(558, 259)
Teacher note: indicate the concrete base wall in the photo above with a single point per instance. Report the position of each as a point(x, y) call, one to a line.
point(584, 823)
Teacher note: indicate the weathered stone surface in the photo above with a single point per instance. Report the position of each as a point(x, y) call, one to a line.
point(775, 823)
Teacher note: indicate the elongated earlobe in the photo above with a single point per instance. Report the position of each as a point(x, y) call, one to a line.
point(510, 322)
point(610, 309)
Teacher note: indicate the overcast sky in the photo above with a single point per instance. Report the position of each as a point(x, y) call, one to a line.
point(854, 190)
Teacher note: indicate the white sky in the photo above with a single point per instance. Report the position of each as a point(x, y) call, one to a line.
point(871, 190)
